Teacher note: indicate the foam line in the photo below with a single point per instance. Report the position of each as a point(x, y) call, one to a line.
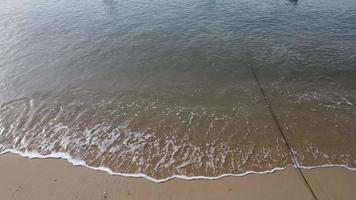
point(76, 162)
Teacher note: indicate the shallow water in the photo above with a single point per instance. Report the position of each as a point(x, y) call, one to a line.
point(165, 88)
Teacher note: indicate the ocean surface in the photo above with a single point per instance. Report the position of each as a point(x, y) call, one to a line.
point(165, 88)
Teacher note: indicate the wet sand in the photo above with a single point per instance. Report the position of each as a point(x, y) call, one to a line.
point(22, 178)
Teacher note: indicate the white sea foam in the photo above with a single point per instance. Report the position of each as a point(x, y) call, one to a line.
point(76, 162)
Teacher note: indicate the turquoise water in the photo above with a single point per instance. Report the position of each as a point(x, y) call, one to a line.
point(165, 88)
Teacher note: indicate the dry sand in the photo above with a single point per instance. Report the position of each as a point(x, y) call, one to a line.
point(36, 179)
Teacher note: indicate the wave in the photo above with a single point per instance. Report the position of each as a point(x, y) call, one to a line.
point(76, 162)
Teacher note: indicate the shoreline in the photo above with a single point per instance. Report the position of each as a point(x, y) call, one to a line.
point(75, 162)
point(23, 178)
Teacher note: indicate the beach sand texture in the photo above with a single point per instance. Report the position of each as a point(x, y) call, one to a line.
point(37, 179)
point(161, 89)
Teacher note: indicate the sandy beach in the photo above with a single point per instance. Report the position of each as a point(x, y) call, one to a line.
point(22, 178)
point(177, 100)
